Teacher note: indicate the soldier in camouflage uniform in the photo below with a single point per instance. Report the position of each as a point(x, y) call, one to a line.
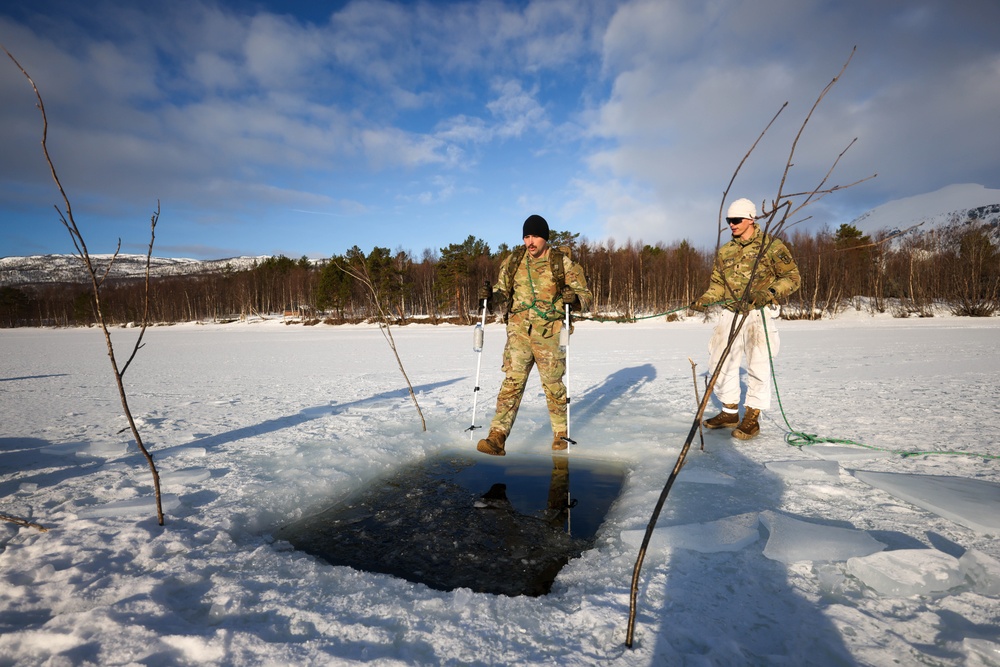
point(534, 292)
point(776, 277)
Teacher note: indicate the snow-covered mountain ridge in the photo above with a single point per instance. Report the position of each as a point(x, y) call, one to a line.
point(69, 269)
point(947, 207)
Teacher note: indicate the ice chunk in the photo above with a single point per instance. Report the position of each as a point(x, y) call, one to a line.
point(705, 476)
point(809, 470)
point(131, 507)
point(907, 572)
point(983, 571)
point(793, 540)
point(974, 503)
point(184, 450)
point(186, 476)
point(87, 449)
point(843, 453)
point(729, 534)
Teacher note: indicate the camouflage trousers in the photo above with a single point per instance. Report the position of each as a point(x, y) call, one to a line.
point(532, 343)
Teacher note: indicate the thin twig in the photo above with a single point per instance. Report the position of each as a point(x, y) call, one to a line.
point(697, 400)
point(22, 522)
point(362, 276)
point(145, 310)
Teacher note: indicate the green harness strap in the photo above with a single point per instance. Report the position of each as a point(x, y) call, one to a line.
point(558, 275)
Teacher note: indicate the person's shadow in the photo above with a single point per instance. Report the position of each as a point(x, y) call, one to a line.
point(619, 386)
point(733, 607)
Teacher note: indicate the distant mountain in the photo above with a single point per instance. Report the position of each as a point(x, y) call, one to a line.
point(950, 206)
point(68, 268)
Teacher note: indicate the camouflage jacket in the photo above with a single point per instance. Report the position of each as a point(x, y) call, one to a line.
point(534, 294)
point(776, 272)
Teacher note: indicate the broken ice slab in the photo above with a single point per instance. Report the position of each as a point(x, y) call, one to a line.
point(185, 476)
point(793, 540)
point(907, 572)
point(974, 503)
point(982, 570)
point(842, 453)
point(729, 534)
point(705, 476)
point(131, 507)
point(101, 450)
point(806, 470)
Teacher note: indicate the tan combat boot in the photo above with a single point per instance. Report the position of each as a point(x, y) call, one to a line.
point(749, 427)
point(558, 441)
point(493, 443)
point(730, 416)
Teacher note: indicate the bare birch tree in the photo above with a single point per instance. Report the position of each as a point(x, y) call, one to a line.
point(775, 217)
point(358, 269)
point(98, 276)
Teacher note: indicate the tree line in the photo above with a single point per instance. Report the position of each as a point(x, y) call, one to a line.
point(957, 267)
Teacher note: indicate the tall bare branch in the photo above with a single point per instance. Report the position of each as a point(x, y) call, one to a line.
point(69, 222)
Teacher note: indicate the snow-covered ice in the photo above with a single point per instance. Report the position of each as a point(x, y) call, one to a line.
point(256, 425)
point(907, 572)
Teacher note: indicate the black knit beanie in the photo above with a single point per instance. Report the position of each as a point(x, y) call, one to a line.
point(535, 225)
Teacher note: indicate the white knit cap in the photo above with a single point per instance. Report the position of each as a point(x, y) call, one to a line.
point(742, 208)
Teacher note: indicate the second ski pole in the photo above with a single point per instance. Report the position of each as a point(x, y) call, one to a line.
point(477, 346)
point(564, 345)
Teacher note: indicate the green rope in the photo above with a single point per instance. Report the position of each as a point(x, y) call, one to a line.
point(636, 318)
point(800, 439)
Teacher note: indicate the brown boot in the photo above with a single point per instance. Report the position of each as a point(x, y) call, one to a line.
point(749, 427)
point(729, 416)
point(558, 441)
point(493, 443)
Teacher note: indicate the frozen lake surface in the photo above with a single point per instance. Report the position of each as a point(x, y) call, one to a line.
point(257, 426)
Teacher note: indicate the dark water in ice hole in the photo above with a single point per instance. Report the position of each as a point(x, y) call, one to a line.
point(494, 525)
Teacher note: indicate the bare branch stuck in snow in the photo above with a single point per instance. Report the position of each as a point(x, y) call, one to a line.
point(97, 282)
point(775, 219)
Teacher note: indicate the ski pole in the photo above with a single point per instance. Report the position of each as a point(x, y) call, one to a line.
point(564, 344)
point(477, 347)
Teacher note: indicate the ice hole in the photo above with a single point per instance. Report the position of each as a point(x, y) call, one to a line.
point(493, 525)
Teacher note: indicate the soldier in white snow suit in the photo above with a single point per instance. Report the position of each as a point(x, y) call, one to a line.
point(536, 284)
point(776, 277)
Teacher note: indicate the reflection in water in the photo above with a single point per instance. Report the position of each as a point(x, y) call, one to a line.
point(433, 523)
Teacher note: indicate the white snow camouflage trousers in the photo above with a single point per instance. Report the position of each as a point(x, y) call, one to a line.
point(752, 344)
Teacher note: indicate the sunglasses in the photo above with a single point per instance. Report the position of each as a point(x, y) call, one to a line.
point(734, 221)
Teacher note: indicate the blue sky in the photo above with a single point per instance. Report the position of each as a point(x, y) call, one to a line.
point(306, 128)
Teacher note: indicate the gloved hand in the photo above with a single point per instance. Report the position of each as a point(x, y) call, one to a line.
point(485, 292)
point(569, 297)
point(698, 306)
point(761, 298)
